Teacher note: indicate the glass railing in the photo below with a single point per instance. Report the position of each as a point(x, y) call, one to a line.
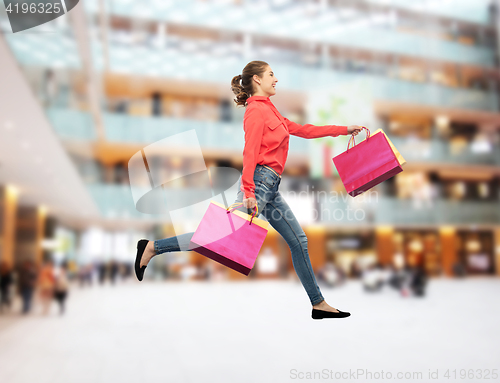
point(294, 77)
point(72, 124)
point(433, 94)
point(374, 209)
point(439, 211)
point(475, 11)
point(77, 125)
point(35, 51)
point(50, 50)
point(116, 201)
point(326, 27)
point(440, 151)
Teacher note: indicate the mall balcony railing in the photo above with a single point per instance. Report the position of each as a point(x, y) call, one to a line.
point(116, 201)
point(77, 125)
point(356, 31)
point(120, 128)
point(441, 151)
point(36, 51)
point(181, 65)
point(203, 65)
point(372, 209)
point(471, 11)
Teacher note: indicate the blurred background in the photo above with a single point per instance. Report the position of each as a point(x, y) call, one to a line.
point(80, 95)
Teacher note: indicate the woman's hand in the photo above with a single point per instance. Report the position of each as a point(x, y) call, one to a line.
point(249, 203)
point(354, 129)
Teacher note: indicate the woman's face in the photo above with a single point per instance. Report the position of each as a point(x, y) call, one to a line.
point(267, 83)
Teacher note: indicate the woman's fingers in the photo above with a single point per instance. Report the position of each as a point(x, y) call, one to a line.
point(249, 203)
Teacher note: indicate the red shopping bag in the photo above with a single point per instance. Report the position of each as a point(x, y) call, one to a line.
point(366, 164)
point(229, 237)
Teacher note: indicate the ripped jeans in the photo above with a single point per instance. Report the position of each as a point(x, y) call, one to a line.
point(272, 205)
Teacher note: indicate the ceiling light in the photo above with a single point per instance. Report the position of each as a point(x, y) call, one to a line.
point(43, 209)
point(13, 190)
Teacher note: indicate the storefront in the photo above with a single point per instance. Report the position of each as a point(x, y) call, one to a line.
point(419, 247)
point(351, 250)
point(475, 251)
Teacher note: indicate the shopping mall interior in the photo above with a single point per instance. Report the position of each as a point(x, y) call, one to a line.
point(99, 86)
point(86, 93)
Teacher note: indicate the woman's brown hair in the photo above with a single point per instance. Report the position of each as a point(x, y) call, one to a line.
point(245, 89)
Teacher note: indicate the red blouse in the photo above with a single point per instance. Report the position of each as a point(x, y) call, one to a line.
point(267, 134)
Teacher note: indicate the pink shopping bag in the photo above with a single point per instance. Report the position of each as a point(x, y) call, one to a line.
point(366, 164)
point(229, 237)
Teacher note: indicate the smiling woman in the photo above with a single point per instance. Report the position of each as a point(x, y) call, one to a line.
point(257, 78)
point(267, 135)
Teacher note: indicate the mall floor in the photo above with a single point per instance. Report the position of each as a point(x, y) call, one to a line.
point(255, 331)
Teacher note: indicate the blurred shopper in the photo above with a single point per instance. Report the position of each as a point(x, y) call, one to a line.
point(267, 135)
point(113, 271)
point(6, 279)
point(355, 269)
point(156, 103)
point(85, 274)
point(373, 278)
point(28, 274)
point(50, 88)
point(331, 275)
point(459, 270)
point(406, 277)
point(396, 278)
point(61, 287)
point(46, 284)
point(101, 272)
point(418, 281)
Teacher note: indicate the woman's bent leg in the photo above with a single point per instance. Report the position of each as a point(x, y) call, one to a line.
point(182, 242)
point(176, 243)
point(281, 217)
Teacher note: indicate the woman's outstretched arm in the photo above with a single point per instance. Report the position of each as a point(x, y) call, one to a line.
point(315, 131)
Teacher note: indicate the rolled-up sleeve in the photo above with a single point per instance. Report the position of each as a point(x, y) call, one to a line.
point(253, 124)
point(315, 131)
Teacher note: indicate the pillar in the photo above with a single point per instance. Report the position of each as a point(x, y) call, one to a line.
point(316, 241)
point(496, 252)
point(447, 237)
point(384, 242)
point(8, 207)
point(30, 228)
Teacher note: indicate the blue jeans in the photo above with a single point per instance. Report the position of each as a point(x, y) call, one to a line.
point(27, 296)
point(272, 205)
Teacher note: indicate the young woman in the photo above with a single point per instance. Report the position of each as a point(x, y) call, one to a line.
point(61, 287)
point(46, 283)
point(264, 156)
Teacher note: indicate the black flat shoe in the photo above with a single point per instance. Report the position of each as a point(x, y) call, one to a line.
point(320, 314)
point(139, 271)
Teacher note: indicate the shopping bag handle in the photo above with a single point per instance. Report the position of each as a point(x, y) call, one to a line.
point(353, 139)
point(241, 203)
